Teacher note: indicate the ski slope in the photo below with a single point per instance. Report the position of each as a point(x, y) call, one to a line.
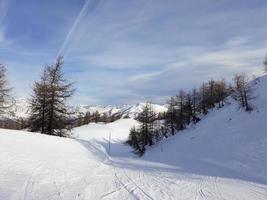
point(224, 156)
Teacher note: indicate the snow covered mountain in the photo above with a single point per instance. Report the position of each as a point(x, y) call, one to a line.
point(21, 109)
point(224, 156)
point(130, 111)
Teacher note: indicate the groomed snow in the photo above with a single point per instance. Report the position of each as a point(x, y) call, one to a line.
point(224, 156)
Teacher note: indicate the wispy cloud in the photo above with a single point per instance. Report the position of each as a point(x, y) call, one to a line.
point(196, 68)
point(87, 7)
point(3, 12)
point(121, 51)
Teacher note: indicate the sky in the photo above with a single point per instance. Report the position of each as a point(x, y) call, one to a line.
point(123, 52)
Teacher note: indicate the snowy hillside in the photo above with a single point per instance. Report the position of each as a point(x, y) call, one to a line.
point(224, 156)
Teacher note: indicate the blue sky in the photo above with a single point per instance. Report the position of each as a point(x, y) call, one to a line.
point(121, 51)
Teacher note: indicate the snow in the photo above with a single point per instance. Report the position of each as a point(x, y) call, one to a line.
point(124, 110)
point(224, 156)
point(21, 109)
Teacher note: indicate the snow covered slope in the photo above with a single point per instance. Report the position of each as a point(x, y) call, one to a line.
point(224, 156)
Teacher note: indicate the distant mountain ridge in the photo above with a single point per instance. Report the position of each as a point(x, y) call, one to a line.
point(21, 109)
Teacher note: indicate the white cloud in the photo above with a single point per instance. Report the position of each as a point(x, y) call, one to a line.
point(237, 41)
point(195, 69)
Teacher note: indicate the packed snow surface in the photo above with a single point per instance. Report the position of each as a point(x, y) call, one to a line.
point(224, 156)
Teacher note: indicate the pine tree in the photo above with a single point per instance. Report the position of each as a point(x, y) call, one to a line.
point(243, 91)
point(48, 103)
point(188, 108)
point(146, 119)
point(5, 98)
point(171, 115)
point(87, 118)
point(196, 108)
point(221, 91)
point(60, 90)
point(135, 140)
point(96, 116)
point(203, 97)
point(143, 134)
point(181, 112)
point(211, 98)
point(104, 118)
point(39, 104)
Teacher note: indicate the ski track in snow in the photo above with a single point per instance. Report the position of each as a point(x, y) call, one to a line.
point(124, 183)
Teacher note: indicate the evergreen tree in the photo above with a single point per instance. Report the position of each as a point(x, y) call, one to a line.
point(96, 116)
point(203, 99)
point(60, 90)
point(135, 140)
point(221, 91)
point(5, 98)
point(210, 95)
point(143, 134)
point(188, 108)
point(242, 91)
point(39, 104)
point(181, 112)
point(146, 119)
point(48, 103)
point(80, 120)
point(87, 118)
point(171, 115)
point(196, 108)
point(104, 118)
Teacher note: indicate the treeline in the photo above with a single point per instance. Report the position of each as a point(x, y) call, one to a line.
point(95, 117)
point(185, 108)
point(15, 124)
